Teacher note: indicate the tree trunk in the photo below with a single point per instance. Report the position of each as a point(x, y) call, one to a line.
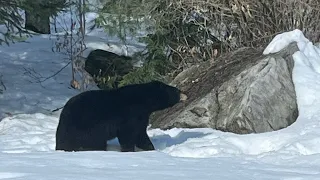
point(37, 23)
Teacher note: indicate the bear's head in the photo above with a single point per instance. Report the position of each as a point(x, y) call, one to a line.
point(164, 96)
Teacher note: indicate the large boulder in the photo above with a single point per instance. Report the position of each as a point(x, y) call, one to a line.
point(242, 92)
point(107, 68)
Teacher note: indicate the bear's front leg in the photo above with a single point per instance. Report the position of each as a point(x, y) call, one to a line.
point(126, 137)
point(143, 141)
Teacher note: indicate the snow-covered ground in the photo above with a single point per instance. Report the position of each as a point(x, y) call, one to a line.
point(27, 128)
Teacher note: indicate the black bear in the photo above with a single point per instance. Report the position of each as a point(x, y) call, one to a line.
point(89, 119)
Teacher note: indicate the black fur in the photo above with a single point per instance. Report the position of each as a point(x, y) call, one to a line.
point(90, 119)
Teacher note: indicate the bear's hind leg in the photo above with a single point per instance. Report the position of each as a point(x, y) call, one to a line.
point(85, 142)
point(93, 143)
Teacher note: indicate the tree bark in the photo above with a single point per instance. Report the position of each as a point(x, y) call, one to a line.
point(38, 13)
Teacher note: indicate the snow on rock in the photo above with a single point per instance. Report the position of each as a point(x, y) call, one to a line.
point(301, 138)
point(282, 40)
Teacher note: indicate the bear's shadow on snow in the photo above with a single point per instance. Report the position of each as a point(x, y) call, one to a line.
point(162, 141)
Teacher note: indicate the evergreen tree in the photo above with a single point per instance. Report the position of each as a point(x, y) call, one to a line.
point(10, 19)
point(38, 13)
point(132, 18)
